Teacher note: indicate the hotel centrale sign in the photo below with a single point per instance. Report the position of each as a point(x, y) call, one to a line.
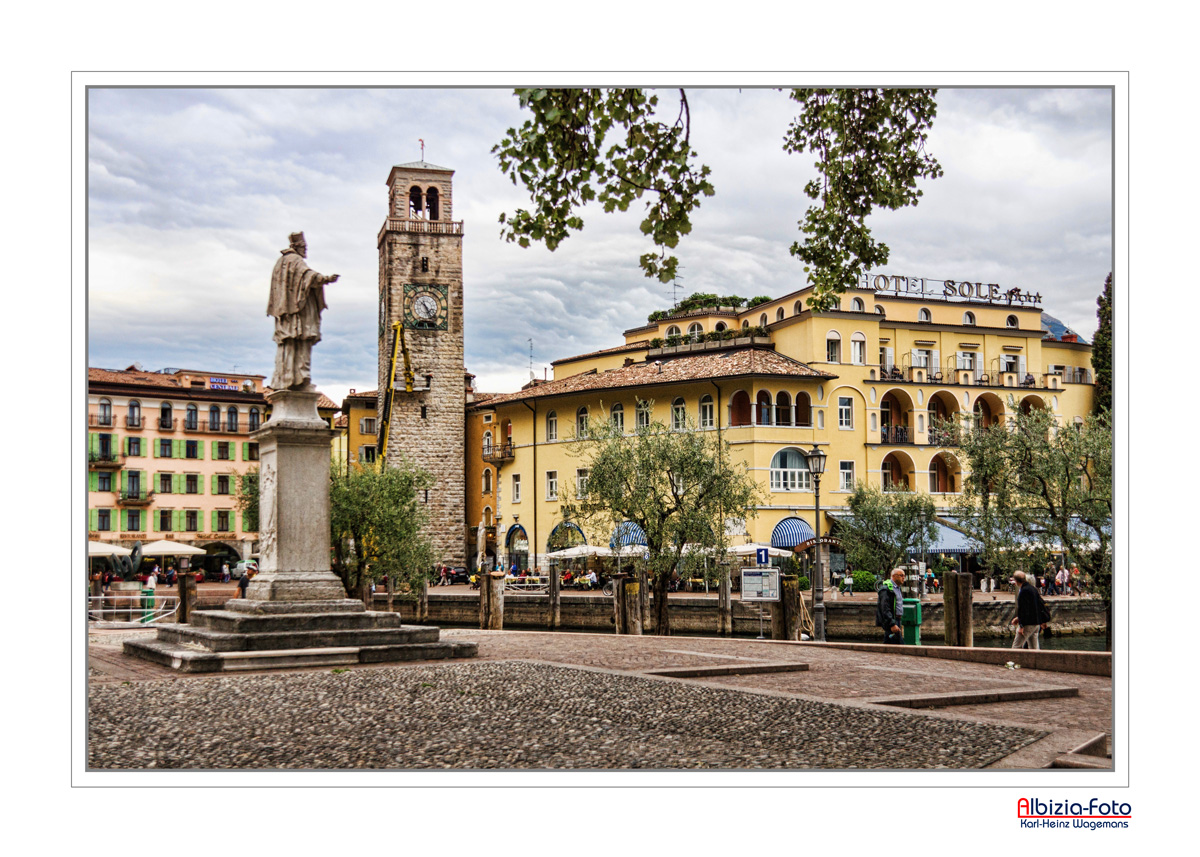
point(946, 290)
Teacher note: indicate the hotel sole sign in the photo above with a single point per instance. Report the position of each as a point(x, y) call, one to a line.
point(946, 290)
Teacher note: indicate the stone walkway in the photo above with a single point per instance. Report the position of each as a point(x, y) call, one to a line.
point(581, 701)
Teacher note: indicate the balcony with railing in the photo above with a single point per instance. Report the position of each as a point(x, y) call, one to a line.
point(107, 459)
point(905, 372)
point(134, 422)
point(166, 424)
point(498, 453)
point(101, 421)
point(217, 427)
point(135, 497)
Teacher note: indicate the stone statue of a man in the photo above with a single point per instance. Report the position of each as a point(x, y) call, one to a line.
point(297, 298)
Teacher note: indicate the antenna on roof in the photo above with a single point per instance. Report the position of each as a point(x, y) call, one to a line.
point(531, 375)
point(675, 287)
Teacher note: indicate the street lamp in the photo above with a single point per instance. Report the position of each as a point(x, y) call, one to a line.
point(816, 466)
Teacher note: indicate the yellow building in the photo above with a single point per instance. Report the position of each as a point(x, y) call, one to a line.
point(866, 382)
point(360, 412)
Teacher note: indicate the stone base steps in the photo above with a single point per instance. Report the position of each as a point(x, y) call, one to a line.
point(250, 641)
point(974, 697)
point(1090, 755)
point(196, 660)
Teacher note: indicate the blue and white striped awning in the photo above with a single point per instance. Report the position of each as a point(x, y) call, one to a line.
point(627, 533)
point(790, 532)
point(948, 540)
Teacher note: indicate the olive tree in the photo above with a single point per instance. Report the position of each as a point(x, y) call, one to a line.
point(884, 527)
point(679, 486)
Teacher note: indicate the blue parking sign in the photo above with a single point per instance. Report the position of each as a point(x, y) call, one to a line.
point(762, 557)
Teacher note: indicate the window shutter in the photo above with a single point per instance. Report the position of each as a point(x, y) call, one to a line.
point(178, 483)
point(93, 481)
point(212, 522)
point(361, 427)
point(154, 521)
point(914, 357)
point(213, 484)
point(93, 442)
point(93, 519)
point(177, 519)
point(245, 450)
point(1021, 366)
point(891, 357)
point(124, 519)
point(935, 358)
point(124, 480)
point(199, 484)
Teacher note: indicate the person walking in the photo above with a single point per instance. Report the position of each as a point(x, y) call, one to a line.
point(1060, 580)
point(243, 583)
point(889, 611)
point(1032, 615)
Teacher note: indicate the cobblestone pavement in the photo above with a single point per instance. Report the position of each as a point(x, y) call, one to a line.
point(601, 716)
point(437, 716)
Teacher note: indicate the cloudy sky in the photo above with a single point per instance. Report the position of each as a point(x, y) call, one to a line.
point(192, 192)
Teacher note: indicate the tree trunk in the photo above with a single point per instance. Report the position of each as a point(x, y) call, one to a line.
point(648, 622)
point(662, 617)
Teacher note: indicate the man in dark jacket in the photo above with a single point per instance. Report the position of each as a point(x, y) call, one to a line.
point(889, 611)
point(1031, 614)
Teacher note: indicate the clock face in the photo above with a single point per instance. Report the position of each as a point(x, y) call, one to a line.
point(425, 307)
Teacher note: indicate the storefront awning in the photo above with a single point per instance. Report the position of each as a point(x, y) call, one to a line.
point(948, 540)
point(790, 532)
point(627, 533)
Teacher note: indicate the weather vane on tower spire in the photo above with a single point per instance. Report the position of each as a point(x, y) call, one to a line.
point(422, 142)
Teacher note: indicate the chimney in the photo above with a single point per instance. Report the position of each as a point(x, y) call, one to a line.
point(1070, 337)
point(628, 361)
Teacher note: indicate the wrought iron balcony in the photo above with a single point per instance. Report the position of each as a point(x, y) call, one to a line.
point(135, 497)
point(895, 435)
point(134, 422)
point(166, 425)
point(101, 420)
point(109, 460)
point(500, 452)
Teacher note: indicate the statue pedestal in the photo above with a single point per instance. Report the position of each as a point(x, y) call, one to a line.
point(293, 504)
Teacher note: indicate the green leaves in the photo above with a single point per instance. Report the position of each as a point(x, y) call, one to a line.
point(559, 155)
point(885, 527)
point(870, 147)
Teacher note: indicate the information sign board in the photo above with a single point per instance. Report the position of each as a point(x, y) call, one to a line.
point(760, 584)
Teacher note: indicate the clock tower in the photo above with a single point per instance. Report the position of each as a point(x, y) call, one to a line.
point(422, 386)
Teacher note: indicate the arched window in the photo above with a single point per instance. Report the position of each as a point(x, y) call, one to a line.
point(803, 410)
point(487, 480)
point(924, 315)
point(231, 418)
point(763, 409)
point(719, 326)
point(833, 347)
point(695, 331)
point(779, 314)
point(105, 415)
point(416, 209)
point(581, 422)
point(762, 320)
point(789, 471)
point(254, 419)
point(1011, 321)
point(552, 425)
point(618, 417)
point(673, 330)
point(678, 415)
point(192, 419)
point(968, 318)
point(164, 415)
point(431, 200)
point(487, 443)
point(857, 305)
point(135, 412)
point(797, 307)
point(739, 409)
point(214, 418)
point(783, 409)
point(879, 310)
point(858, 349)
point(746, 324)
point(707, 412)
point(487, 516)
point(642, 415)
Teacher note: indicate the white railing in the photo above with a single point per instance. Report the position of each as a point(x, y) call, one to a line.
point(136, 609)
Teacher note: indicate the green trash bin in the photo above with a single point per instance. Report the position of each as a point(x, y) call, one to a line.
point(148, 605)
point(911, 622)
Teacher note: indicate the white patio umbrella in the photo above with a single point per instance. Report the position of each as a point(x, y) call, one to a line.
point(107, 549)
point(580, 551)
point(753, 548)
point(162, 547)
